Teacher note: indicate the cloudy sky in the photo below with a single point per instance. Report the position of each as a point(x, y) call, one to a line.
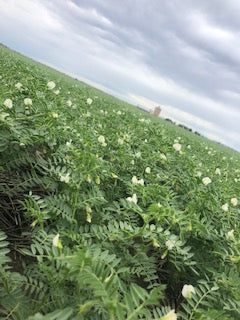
point(183, 55)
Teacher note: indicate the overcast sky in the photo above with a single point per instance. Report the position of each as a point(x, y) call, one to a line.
point(183, 55)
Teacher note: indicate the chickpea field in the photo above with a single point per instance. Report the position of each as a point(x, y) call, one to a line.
point(107, 212)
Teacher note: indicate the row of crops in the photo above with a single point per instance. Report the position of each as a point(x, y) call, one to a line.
point(107, 212)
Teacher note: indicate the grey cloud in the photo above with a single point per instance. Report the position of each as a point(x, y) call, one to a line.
point(184, 54)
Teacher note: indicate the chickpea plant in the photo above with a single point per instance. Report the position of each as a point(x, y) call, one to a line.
point(108, 212)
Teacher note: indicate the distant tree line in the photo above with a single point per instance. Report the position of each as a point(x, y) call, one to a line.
point(184, 127)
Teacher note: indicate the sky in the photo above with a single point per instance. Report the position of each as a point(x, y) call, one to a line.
point(182, 55)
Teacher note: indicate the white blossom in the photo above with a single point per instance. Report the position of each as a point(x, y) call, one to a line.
point(148, 170)
point(51, 85)
point(133, 198)
point(69, 103)
point(177, 146)
point(234, 201)
point(56, 92)
point(163, 157)
point(225, 207)
point(230, 234)
point(64, 178)
point(170, 244)
point(187, 291)
point(89, 101)
point(3, 116)
point(101, 140)
point(54, 114)
point(28, 101)
point(18, 85)
point(8, 103)
point(134, 180)
point(206, 181)
point(68, 143)
point(56, 242)
point(218, 171)
point(171, 315)
point(120, 141)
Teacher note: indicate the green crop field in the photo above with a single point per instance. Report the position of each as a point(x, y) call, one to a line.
point(107, 212)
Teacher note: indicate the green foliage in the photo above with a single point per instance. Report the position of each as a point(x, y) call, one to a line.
point(86, 231)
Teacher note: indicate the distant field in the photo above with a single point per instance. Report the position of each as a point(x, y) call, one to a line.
point(108, 212)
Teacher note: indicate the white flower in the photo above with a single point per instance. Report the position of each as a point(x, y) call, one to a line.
point(89, 101)
point(199, 173)
point(56, 92)
point(148, 170)
point(187, 291)
point(51, 85)
point(18, 85)
point(120, 141)
point(138, 154)
point(163, 157)
point(206, 181)
point(218, 171)
point(234, 201)
point(134, 180)
point(119, 112)
point(68, 144)
point(3, 115)
point(101, 140)
point(28, 101)
point(177, 146)
point(55, 115)
point(169, 244)
point(230, 234)
point(8, 103)
point(170, 316)
point(56, 242)
point(69, 103)
point(189, 146)
point(133, 198)
point(225, 207)
point(89, 179)
point(64, 178)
